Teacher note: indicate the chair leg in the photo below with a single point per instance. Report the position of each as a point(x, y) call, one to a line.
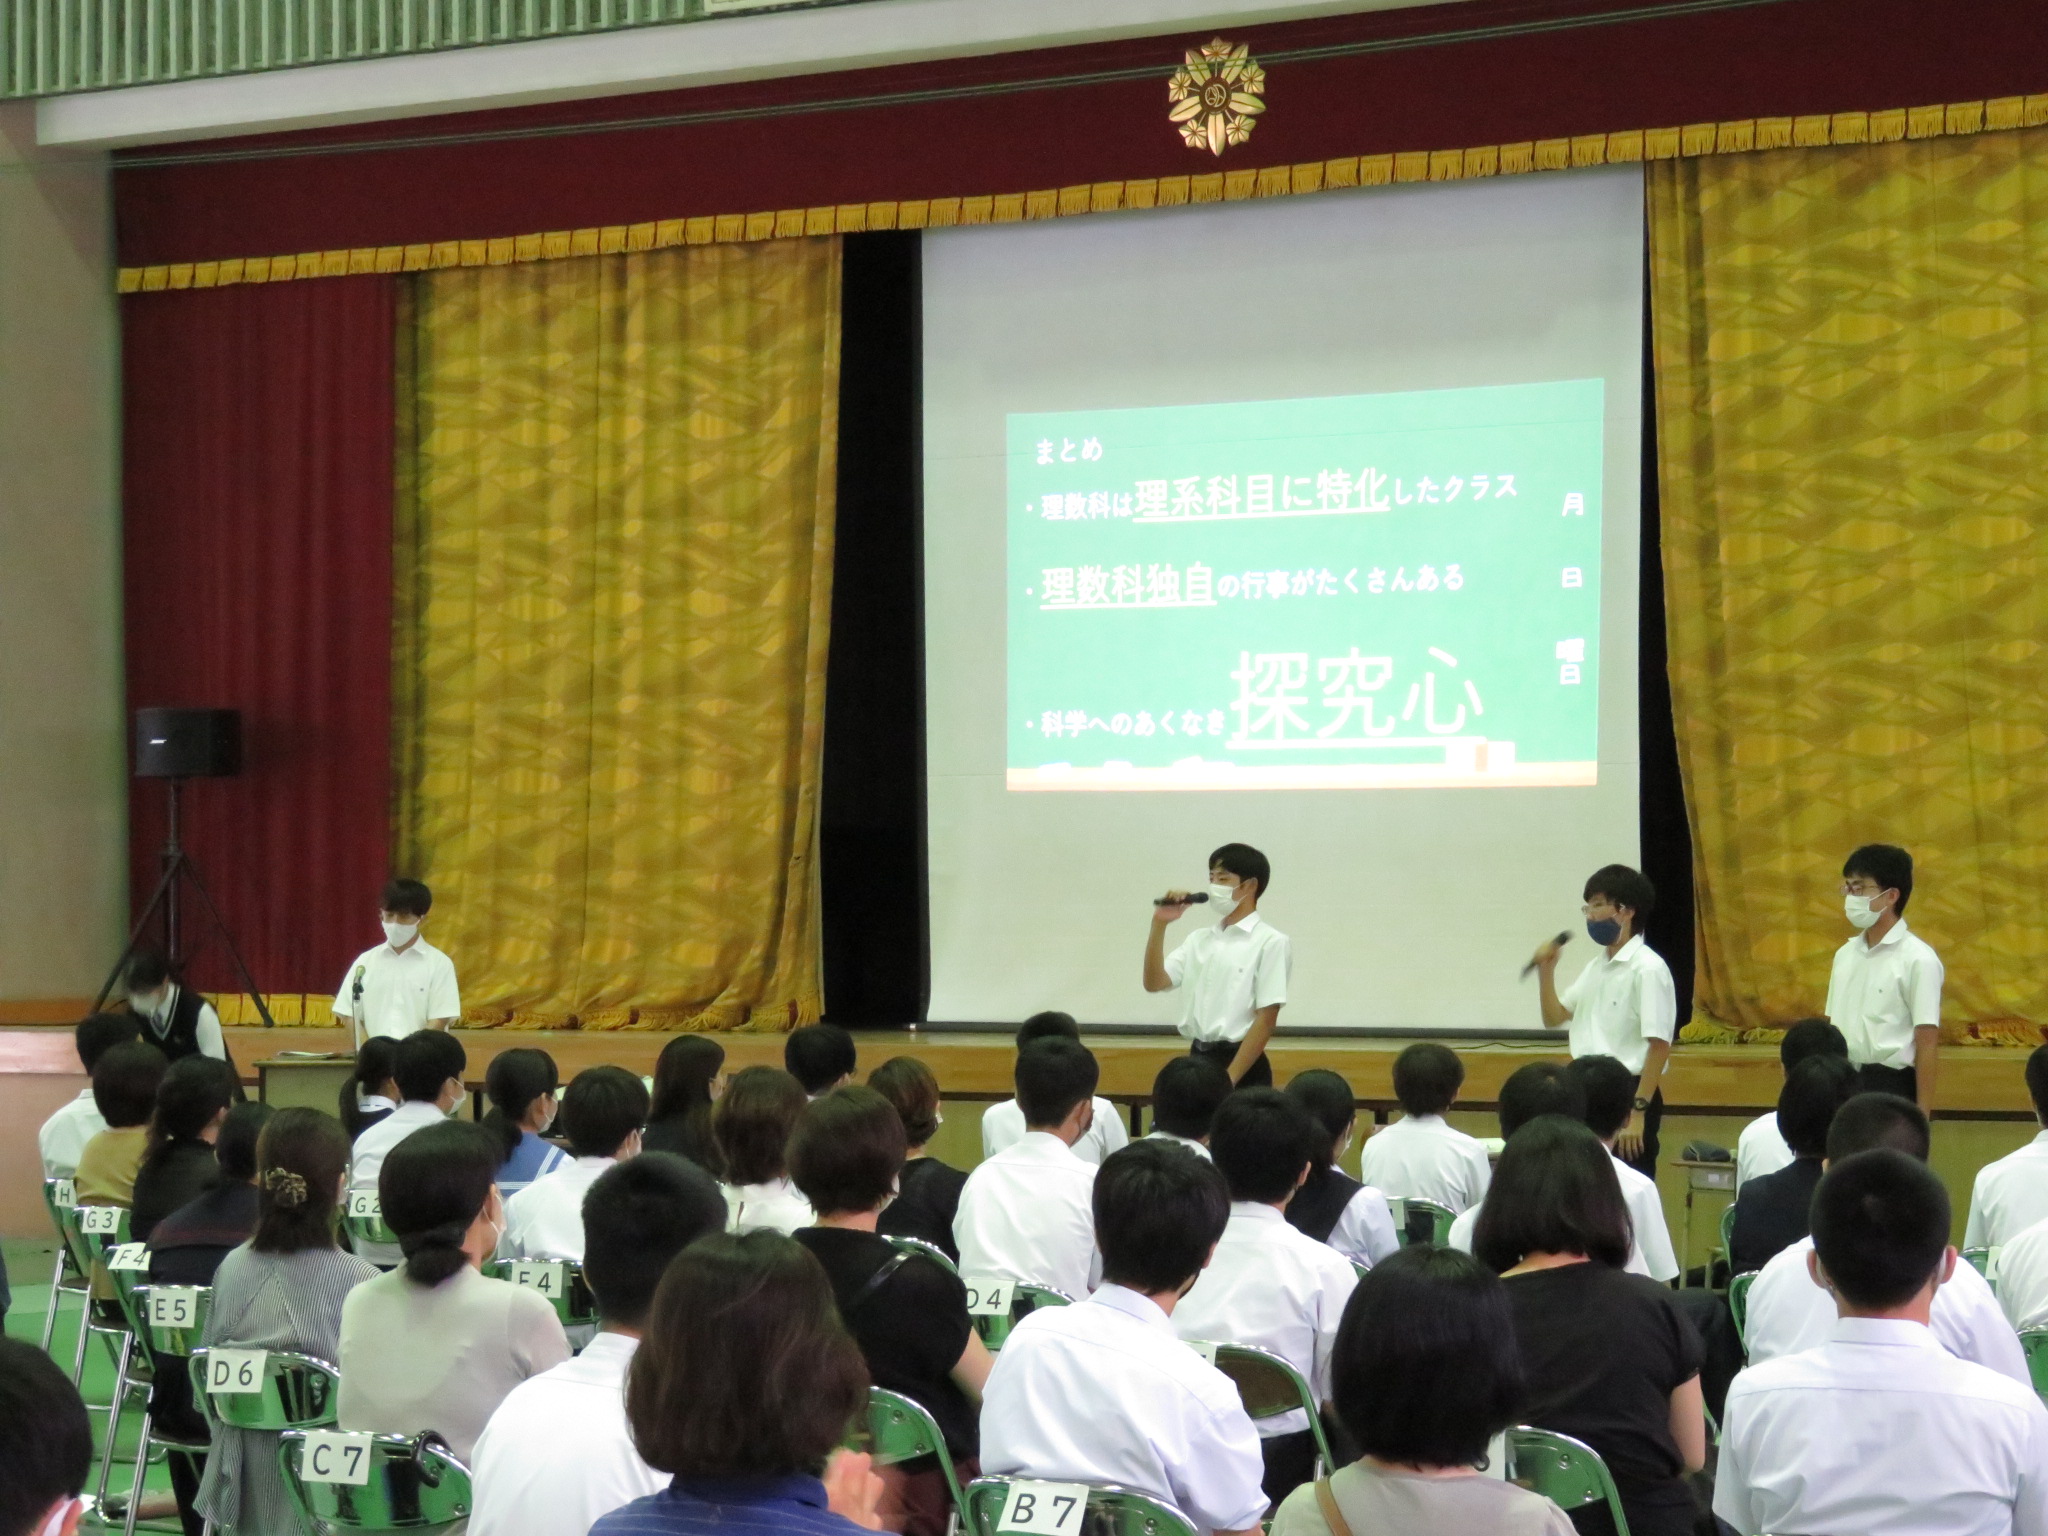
point(84, 1331)
point(114, 1407)
point(141, 1475)
point(56, 1295)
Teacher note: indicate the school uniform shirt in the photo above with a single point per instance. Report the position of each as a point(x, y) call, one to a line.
point(1278, 1289)
point(2022, 1272)
point(545, 1219)
point(1425, 1157)
point(1027, 1214)
point(1002, 1125)
point(772, 1207)
point(1106, 1392)
point(2009, 1196)
point(155, 1027)
point(1878, 994)
point(367, 1161)
point(1179, 1141)
point(1227, 974)
point(1620, 1004)
point(1638, 1257)
point(558, 1453)
point(1365, 1229)
point(1788, 1313)
point(532, 1158)
point(1646, 1216)
point(64, 1135)
point(402, 989)
point(1760, 1149)
point(1880, 1431)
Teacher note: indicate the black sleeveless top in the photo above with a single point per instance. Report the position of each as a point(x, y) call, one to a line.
point(1318, 1204)
point(180, 1034)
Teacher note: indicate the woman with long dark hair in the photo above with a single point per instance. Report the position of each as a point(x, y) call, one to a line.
point(525, 1093)
point(689, 1075)
point(370, 1093)
point(177, 1160)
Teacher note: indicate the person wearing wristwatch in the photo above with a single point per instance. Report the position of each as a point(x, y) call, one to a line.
point(1623, 1003)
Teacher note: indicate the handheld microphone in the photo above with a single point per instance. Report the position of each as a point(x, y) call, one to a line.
point(1562, 940)
point(1192, 899)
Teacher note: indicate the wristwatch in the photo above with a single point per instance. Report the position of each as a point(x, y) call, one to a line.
point(1642, 1104)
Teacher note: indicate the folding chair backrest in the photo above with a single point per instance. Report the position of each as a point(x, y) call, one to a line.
point(2035, 1342)
point(409, 1484)
point(1418, 1221)
point(363, 1221)
point(1738, 1304)
point(1565, 1471)
point(899, 1429)
point(296, 1392)
point(1727, 1228)
point(925, 1250)
point(1269, 1386)
point(88, 1252)
point(1025, 1299)
point(1111, 1511)
point(559, 1280)
point(171, 1329)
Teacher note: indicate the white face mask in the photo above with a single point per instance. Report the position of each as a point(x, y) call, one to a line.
point(461, 1099)
point(398, 935)
point(1223, 898)
point(1861, 911)
point(147, 1007)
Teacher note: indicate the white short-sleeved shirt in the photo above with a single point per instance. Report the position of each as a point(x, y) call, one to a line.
point(373, 1146)
point(558, 1453)
point(1002, 1125)
point(64, 1135)
point(1760, 1149)
point(2010, 1195)
point(1878, 994)
point(1106, 1392)
point(1179, 1141)
point(1228, 974)
point(1425, 1157)
point(1365, 1228)
point(1646, 1216)
point(1620, 1004)
point(776, 1206)
point(1274, 1287)
point(1638, 1261)
point(1028, 1213)
point(1880, 1431)
point(402, 989)
point(545, 1219)
point(2021, 1267)
point(1788, 1313)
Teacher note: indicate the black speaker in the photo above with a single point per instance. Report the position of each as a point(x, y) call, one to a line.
point(188, 743)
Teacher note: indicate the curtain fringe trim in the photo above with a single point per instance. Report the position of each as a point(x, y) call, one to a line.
point(316, 1010)
point(1638, 144)
point(2006, 1033)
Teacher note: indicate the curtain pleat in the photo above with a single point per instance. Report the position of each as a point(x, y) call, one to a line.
point(614, 555)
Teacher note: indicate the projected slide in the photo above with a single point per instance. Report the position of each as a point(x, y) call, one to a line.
point(1386, 590)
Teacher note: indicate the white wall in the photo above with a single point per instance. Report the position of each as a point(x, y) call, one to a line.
point(63, 811)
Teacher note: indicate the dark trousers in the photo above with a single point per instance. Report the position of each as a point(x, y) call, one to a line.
point(1290, 1462)
point(1648, 1124)
point(1904, 1081)
point(1223, 1052)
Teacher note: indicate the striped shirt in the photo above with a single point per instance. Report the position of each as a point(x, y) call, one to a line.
point(730, 1506)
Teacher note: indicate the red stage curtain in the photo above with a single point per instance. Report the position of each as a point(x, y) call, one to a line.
point(257, 501)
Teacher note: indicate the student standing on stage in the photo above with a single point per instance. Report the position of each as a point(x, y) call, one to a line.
point(1623, 1004)
point(1884, 993)
point(1235, 973)
point(404, 984)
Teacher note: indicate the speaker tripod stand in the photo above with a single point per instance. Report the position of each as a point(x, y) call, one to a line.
point(178, 871)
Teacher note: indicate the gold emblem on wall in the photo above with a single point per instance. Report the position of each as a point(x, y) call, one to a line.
point(1217, 95)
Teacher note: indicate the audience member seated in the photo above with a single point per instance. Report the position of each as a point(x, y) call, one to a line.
point(283, 1291)
point(1105, 1391)
point(1610, 1090)
point(927, 1191)
point(1185, 1097)
point(1267, 1284)
point(1332, 1207)
point(603, 1113)
point(1762, 1148)
point(907, 1313)
point(820, 1056)
point(753, 1122)
point(2023, 1278)
point(435, 1344)
point(689, 1075)
point(178, 1164)
point(1611, 1358)
point(558, 1453)
point(1789, 1312)
point(1002, 1125)
point(1421, 1156)
point(1878, 1429)
point(371, 1091)
point(124, 1091)
point(742, 1389)
point(1426, 1372)
point(1025, 1213)
point(1771, 1212)
point(428, 1070)
point(2011, 1194)
point(64, 1134)
point(525, 1093)
point(45, 1445)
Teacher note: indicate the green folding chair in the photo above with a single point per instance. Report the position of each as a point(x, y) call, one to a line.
point(1420, 1221)
point(365, 1224)
point(409, 1483)
point(897, 1430)
point(1111, 1511)
point(1727, 1240)
point(1269, 1387)
point(1565, 1471)
point(169, 1322)
point(1027, 1298)
point(103, 1317)
point(294, 1391)
point(925, 1250)
point(66, 1278)
point(1738, 1304)
point(2035, 1342)
point(559, 1280)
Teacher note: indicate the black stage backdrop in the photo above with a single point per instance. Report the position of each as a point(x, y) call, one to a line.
point(877, 970)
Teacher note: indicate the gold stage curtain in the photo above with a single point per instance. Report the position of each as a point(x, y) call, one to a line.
point(1852, 413)
point(615, 527)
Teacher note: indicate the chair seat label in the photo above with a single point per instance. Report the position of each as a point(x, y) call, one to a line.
point(1044, 1509)
point(235, 1371)
point(542, 1275)
point(331, 1456)
point(173, 1306)
point(989, 1295)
